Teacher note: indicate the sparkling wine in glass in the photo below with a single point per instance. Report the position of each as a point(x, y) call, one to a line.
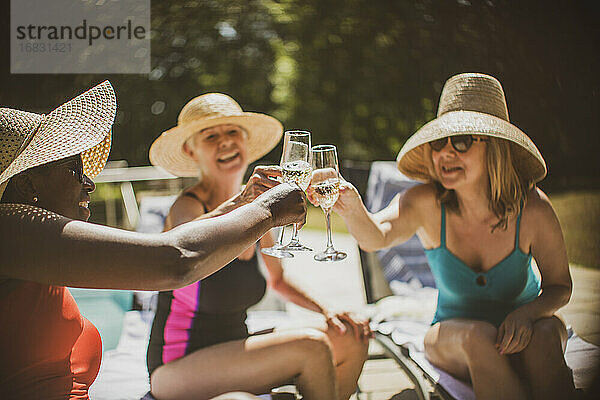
point(326, 189)
point(296, 168)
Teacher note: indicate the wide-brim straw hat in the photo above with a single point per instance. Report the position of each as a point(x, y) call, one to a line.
point(205, 111)
point(81, 125)
point(471, 103)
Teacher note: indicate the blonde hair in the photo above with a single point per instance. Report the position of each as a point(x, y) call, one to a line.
point(506, 187)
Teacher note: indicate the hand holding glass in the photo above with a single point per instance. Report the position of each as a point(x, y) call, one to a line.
point(326, 188)
point(296, 168)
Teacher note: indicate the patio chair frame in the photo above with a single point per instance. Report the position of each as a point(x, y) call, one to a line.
point(426, 387)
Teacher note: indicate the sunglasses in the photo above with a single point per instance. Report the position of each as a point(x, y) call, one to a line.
point(461, 143)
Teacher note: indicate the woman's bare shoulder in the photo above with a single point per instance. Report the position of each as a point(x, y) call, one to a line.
point(187, 206)
point(421, 197)
point(538, 204)
point(421, 206)
point(538, 211)
point(192, 196)
point(185, 200)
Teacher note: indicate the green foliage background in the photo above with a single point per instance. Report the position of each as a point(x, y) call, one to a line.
point(363, 74)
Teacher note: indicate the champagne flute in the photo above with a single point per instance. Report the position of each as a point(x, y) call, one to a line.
point(326, 189)
point(295, 148)
point(277, 249)
point(296, 168)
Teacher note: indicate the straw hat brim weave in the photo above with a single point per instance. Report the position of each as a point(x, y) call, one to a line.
point(264, 132)
point(411, 160)
point(81, 125)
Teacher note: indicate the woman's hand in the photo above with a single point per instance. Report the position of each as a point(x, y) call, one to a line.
point(348, 200)
point(339, 321)
point(262, 179)
point(286, 204)
point(515, 332)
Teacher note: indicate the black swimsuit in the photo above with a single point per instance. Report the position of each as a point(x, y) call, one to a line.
point(205, 313)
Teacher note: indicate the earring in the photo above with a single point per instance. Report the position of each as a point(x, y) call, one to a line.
point(35, 199)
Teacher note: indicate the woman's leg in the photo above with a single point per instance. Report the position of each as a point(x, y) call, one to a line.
point(236, 396)
point(466, 349)
point(543, 362)
point(255, 365)
point(349, 355)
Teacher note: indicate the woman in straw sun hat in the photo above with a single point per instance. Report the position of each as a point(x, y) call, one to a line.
point(216, 140)
point(49, 350)
point(481, 220)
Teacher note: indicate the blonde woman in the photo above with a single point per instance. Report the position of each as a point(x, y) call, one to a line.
point(201, 326)
point(48, 349)
point(481, 220)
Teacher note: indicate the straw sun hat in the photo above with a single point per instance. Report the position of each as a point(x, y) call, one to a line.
point(205, 111)
point(471, 103)
point(81, 125)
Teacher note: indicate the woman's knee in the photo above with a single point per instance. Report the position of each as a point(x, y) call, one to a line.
point(552, 326)
point(314, 343)
point(160, 384)
point(478, 336)
point(468, 337)
point(547, 333)
point(236, 396)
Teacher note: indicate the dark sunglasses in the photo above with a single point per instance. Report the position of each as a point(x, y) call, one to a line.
point(461, 143)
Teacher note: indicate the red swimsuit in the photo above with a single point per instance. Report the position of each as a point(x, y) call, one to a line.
point(48, 350)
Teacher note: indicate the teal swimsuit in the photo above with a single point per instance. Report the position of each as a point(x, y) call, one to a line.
point(487, 296)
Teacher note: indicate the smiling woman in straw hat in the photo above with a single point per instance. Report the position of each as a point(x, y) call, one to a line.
point(49, 351)
point(481, 220)
point(216, 140)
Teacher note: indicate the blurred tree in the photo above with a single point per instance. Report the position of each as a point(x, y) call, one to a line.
point(369, 73)
point(199, 47)
point(363, 74)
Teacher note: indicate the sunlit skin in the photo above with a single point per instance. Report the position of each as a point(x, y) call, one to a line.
point(326, 360)
point(60, 251)
point(158, 262)
point(456, 170)
point(523, 357)
point(221, 155)
point(219, 150)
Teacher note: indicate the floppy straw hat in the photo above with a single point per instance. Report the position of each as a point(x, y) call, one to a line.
point(81, 125)
point(211, 109)
point(471, 103)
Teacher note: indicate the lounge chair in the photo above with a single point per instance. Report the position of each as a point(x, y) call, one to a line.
point(397, 281)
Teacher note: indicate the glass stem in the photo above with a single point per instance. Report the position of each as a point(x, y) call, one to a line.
point(328, 221)
point(295, 234)
point(280, 238)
